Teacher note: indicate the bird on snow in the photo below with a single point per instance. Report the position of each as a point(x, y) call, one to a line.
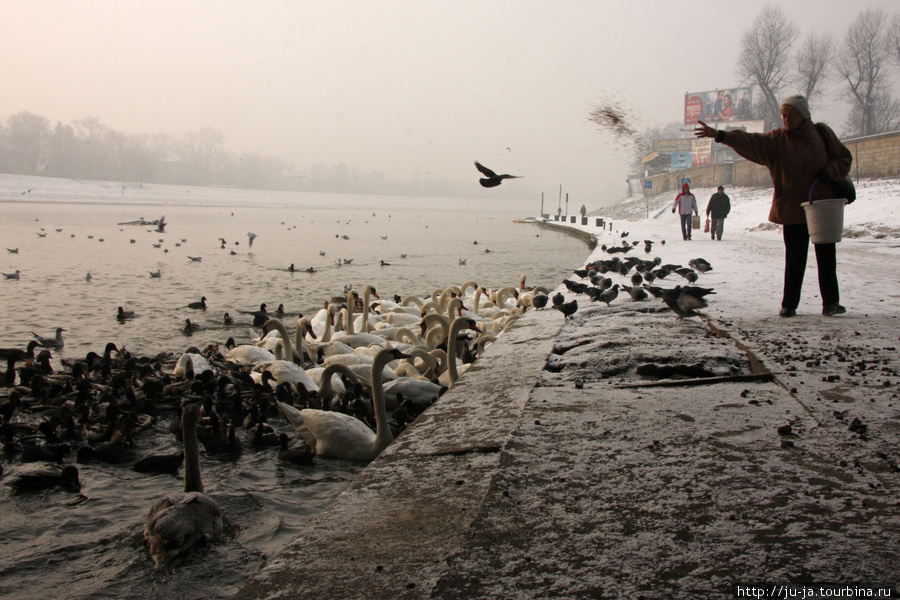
point(610, 294)
point(567, 308)
point(490, 178)
point(684, 301)
point(700, 264)
point(637, 293)
point(539, 301)
point(558, 299)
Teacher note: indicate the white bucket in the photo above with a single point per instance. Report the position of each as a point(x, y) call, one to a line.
point(825, 220)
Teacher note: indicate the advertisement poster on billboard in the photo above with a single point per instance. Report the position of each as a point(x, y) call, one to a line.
point(718, 106)
point(681, 160)
point(701, 154)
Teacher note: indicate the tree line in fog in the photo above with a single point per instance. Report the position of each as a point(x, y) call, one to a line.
point(88, 149)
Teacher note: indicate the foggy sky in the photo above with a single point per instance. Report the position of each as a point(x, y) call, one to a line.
point(410, 88)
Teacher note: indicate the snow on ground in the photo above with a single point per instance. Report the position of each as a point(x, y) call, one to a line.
point(573, 475)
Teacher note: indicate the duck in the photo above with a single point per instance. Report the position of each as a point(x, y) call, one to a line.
point(56, 342)
point(201, 305)
point(295, 457)
point(179, 523)
point(123, 314)
point(227, 320)
point(42, 479)
point(337, 435)
point(189, 328)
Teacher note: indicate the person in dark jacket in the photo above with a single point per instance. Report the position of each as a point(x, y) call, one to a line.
point(801, 158)
point(716, 210)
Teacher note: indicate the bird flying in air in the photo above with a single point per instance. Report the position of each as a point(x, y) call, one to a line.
point(490, 178)
point(252, 237)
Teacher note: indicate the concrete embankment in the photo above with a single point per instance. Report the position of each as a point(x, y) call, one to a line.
point(620, 454)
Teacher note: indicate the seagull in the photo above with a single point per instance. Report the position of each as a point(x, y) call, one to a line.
point(12, 250)
point(491, 179)
point(157, 273)
point(56, 343)
point(252, 237)
point(42, 235)
point(196, 258)
point(462, 261)
point(161, 225)
point(12, 275)
point(88, 277)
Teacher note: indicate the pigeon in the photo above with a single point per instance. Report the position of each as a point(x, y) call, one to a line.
point(539, 301)
point(575, 286)
point(700, 264)
point(558, 299)
point(637, 293)
point(610, 294)
point(567, 308)
point(684, 302)
point(491, 179)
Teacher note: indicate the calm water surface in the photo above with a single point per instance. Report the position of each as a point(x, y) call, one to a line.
point(59, 545)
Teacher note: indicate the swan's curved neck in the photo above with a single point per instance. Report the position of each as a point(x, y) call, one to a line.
point(285, 338)
point(383, 435)
point(348, 316)
point(189, 419)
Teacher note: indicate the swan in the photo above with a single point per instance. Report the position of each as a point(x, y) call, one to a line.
point(177, 523)
point(365, 326)
point(285, 370)
point(351, 338)
point(451, 375)
point(193, 363)
point(248, 354)
point(338, 435)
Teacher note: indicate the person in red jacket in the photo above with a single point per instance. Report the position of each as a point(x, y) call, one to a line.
point(801, 157)
point(686, 204)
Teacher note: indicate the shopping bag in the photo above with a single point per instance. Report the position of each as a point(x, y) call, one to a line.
point(695, 222)
point(706, 227)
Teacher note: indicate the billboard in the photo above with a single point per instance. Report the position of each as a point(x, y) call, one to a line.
point(701, 153)
point(718, 106)
point(681, 160)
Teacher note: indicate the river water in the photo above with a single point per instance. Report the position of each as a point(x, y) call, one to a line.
point(87, 545)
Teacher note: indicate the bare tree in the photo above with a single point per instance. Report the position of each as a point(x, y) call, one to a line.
point(893, 37)
point(814, 58)
point(765, 55)
point(861, 64)
point(885, 115)
point(28, 136)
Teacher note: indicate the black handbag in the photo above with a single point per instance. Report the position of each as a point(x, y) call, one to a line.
point(841, 189)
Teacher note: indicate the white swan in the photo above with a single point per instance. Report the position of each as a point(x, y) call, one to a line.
point(179, 522)
point(191, 365)
point(449, 377)
point(248, 354)
point(285, 370)
point(338, 435)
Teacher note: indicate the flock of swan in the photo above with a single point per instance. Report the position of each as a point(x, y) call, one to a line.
point(347, 380)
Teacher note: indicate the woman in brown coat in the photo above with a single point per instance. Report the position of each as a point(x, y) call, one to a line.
point(796, 155)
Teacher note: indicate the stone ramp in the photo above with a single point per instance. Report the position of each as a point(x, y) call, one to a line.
point(543, 475)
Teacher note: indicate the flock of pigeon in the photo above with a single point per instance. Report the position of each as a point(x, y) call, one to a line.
point(642, 274)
